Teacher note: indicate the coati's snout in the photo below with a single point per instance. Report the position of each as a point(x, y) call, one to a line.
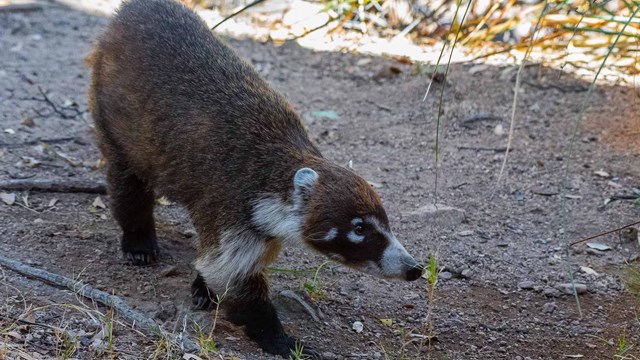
point(345, 220)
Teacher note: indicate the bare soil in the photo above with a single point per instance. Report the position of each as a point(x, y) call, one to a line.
point(389, 133)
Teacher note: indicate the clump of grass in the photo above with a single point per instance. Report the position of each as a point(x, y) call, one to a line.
point(631, 279)
point(623, 348)
point(297, 353)
point(314, 286)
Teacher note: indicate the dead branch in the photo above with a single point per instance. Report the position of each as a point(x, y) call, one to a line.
point(38, 141)
point(61, 186)
point(604, 233)
point(20, 7)
point(55, 108)
point(147, 325)
point(254, 3)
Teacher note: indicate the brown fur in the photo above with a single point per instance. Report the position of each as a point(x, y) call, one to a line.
point(179, 113)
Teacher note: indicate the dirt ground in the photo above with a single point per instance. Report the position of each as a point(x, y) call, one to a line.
point(503, 257)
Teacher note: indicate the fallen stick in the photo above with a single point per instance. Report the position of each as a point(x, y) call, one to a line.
point(61, 186)
point(148, 326)
point(24, 7)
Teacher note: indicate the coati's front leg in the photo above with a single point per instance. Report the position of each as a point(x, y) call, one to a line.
point(132, 206)
point(251, 307)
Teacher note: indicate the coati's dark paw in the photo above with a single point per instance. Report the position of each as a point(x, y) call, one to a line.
point(287, 347)
point(139, 251)
point(201, 296)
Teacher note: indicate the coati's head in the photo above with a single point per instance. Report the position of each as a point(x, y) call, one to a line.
point(343, 218)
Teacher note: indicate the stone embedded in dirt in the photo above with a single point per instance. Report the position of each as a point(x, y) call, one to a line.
point(591, 251)
point(329, 356)
point(526, 285)
point(567, 288)
point(549, 308)
point(357, 326)
point(169, 271)
point(466, 273)
point(440, 215)
point(445, 275)
point(294, 303)
point(551, 292)
point(598, 246)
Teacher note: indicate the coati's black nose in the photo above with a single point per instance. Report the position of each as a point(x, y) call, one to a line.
point(414, 273)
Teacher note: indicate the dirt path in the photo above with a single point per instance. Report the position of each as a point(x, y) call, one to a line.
point(491, 247)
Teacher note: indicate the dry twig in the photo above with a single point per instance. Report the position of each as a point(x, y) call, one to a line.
point(61, 186)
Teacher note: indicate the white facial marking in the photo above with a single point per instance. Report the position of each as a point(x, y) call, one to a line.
point(395, 258)
point(331, 234)
point(240, 254)
point(353, 237)
point(356, 221)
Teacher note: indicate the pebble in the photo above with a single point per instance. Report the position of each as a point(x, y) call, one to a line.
point(567, 288)
point(442, 215)
point(329, 355)
point(526, 285)
point(466, 273)
point(591, 251)
point(445, 275)
point(551, 292)
point(549, 308)
point(169, 271)
point(357, 326)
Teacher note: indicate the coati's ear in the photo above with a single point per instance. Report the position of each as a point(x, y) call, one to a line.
point(304, 180)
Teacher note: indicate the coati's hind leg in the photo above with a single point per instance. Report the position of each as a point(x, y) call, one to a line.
point(132, 207)
point(202, 296)
point(250, 306)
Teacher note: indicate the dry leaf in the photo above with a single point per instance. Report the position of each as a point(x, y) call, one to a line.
point(28, 122)
point(7, 198)
point(386, 322)
point(588, 270)
point(98, 204)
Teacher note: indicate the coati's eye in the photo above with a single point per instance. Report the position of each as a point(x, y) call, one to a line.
point(358, 229)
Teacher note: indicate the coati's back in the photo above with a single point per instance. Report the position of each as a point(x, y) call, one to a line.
point(185, 109)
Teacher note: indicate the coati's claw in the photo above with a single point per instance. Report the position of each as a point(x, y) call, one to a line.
point(201, 296)
point(139, 250)
point(138, 258)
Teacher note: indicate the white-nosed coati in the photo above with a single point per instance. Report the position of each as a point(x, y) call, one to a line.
point(178, 112)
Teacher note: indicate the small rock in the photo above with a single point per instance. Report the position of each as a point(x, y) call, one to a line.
point(441, 215)
point(551, 292)
point(567, 288)
point(169, 271)
point(591, 251)
point(329, 355)
point(598, 246)
point(526, 285)
point(549, 308)
point(357, 326)
point(166, 312)
point(466, 273)
point(445, 275)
